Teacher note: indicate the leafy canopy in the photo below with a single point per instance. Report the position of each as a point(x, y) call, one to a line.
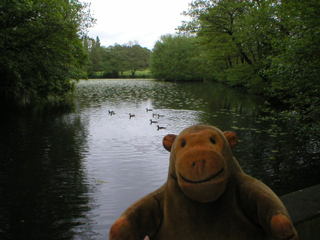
point(40, 46)
point(114, 59)
point(175, 58)
point(270, 47)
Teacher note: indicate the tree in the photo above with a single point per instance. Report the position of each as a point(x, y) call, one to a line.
point(40, 46)
point(175, 58)
point(117, 58)
point(135, 57)
point(222, 26)
point(295, 71)
point(270, 47)
point(96, 56)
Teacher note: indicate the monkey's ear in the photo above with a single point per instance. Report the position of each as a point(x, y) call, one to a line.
point(168, 141)
point(231, 137)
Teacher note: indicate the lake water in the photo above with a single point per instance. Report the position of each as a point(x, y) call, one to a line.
point(68, 171)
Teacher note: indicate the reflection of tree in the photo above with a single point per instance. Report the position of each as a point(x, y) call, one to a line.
point(274, 157)
point(42, 184)
point(216, 95)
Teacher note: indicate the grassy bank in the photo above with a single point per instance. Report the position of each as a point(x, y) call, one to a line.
point(126, 74)
point(139, 74)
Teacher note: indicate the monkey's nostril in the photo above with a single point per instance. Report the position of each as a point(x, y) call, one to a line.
point(200, 163)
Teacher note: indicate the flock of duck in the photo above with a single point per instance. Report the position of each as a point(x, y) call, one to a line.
point(154, 115)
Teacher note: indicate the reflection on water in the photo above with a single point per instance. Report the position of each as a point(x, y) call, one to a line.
point(43, 190)
point(67, 172)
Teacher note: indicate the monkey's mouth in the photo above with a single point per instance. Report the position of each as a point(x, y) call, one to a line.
point(201, 181)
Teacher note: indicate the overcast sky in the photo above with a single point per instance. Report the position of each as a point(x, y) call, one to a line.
point(121, 21)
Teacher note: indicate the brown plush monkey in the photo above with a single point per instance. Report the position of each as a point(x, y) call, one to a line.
point(206, 196)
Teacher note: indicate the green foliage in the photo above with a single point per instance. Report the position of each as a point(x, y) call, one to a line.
point(116, 59)
point(295, 71)
point(40, 47)
point(234, 35)
point(135, 58)
point(175, 58)
point(270, 47)
point(138, 74)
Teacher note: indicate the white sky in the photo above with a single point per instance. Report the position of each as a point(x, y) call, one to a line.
point(121, 21)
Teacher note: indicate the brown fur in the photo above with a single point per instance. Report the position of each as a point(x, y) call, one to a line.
point(206, 196)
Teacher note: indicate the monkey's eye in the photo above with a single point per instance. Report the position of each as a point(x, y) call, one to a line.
point(212, 140)
point(183, 143)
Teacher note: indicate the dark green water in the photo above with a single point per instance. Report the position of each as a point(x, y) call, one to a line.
point(68, 171)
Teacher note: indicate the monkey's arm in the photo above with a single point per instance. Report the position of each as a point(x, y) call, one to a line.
point(265, 208)
point(141, 219)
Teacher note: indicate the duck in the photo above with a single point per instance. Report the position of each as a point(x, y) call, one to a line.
point(131, 115)
point(160, 127)
point(152, 121)
point(111, 112)
point(149, 109)
point(154, 114)
point(159, 116)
